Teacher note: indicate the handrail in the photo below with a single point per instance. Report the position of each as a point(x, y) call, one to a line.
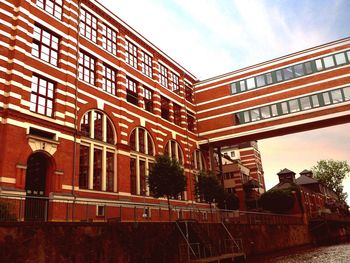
point(187, 241)
point(231, 237)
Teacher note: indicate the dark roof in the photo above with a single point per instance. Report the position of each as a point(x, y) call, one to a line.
point(306, 172)
point(303, 179)
point(285, 171)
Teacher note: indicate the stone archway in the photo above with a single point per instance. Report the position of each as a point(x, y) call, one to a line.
point(36, 204)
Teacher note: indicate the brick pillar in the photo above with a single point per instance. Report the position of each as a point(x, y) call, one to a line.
point(141, 102)
point(171, 111)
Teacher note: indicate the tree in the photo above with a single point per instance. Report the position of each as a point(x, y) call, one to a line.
point(331, 173)
point(208, 187)
point(210, 190)
point(277, 200)
point(166, 179)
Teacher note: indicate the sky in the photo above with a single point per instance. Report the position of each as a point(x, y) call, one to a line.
point(213, 37)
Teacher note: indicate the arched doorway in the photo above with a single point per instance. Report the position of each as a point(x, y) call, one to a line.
point(36, 204)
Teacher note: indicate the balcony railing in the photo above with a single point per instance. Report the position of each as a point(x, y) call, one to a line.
point(43, 209)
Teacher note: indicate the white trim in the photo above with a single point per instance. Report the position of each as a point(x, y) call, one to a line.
point(7, 180)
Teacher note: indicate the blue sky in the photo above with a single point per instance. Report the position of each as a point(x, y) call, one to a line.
point(212, 37)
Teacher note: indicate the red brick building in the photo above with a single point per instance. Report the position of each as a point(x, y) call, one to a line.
point(86, 103)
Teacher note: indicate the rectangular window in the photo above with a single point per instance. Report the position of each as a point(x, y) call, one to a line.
point(110, 172)
point(279, 75)
point(336, 96)
point(340, 59)
point(294, 105)
point(284, 106)
point(53, 7)
point(177, 114)
point(260, 81)
point(268, 78)
point(87, 68)
point(88, 25)
point(305, 103)
point(133, 190)
point(109, 39)
point(131, 91)
point(165, 108)
point(246, 116)
point(255, 115)
point(308, 67)
point(131, 54)
point(163, 75)
point(299, 70)
point(328, 62)
point(175, 83)
point(188, 93)
point(315, 101)
point(319, 65)
point(143, 182)
point(97, 177)
point(148, 99)
point(234, 88)
point(146, 64)
point(108, 79)
point(265, 112)
point(288, 73)
point(85, 125)
point(42, 96)
point(98, 125)
point(190, 122)
point(242, 85)
point(45, 45)
point(326, 98)
point(251, 83)
point(274, 110)
point(84, 167)
point(346, 93)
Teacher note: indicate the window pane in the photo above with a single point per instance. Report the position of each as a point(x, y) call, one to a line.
point(305, 103)
point(299, 70)
point(340, 59)
point(255, 114)
point(268, 78)
point(142, 166)
point(336, 96)
point(308, 67)
point(319, 65)
point(250, 83)
point(234, 88)
point(260, 81)
point(246, 116)
point(133, 176)
point(326, 98)
point(288, 73)
point(284, 106)
point(347, 93)
point(315, 101)
point(348, 54)
point(279, 75)
point(294, 105)
point(242, 85)
point(98, 125)
point(97, 180)
point(110, 172)
point(84, 166)
point(265, 112)
point(274, 110)
point(328, 62)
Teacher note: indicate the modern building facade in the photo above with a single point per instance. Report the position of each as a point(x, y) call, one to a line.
point(86, 103)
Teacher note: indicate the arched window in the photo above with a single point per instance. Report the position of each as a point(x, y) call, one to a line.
point(141, 160)
point(97, 153)
point(173, 150)
point(198, 161)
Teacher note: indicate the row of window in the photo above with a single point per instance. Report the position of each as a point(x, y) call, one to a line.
point(88, 28)
point(97, 155)
point(291, 72)
point(295, 105)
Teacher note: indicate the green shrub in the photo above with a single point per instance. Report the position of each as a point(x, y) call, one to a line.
point(277, 200)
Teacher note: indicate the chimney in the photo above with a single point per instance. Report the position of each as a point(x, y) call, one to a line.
point(307, 173)
point(286, 176)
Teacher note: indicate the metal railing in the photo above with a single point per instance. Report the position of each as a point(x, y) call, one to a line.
point(42, 209)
